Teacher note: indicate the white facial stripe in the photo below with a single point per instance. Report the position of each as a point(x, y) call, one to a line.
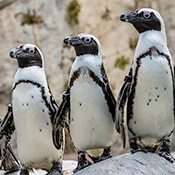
point(29, 46)
point(148, 10)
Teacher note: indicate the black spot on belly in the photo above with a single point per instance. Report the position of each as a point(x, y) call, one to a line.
point(27, 104)
point(165, 89)
point(167, 72)
point(47, 123)
point(147, 104)
point(134, 122)
point(23, 104)
point(155, 99)
point(42, 101)
point(80, 104)
point(43, 110)
point(149, 100)
point(156, 87)
point(72, 119)
point(40, 130)
point(158, 96)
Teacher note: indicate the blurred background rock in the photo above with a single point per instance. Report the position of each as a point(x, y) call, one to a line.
point(46, 23)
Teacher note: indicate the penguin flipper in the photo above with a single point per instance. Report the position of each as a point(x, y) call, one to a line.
point(60, 120)
point(7, 128)
point(108, 94)
point(121, 101)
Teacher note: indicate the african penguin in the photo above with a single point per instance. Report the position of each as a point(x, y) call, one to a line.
point(149, 87)
point(34, 110)
point(92, 104)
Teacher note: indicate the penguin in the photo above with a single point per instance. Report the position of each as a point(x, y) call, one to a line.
point(34, 110)
point(148, 89)
point(90, 102)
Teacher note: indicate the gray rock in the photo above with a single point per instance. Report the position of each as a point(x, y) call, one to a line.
point(137, 164)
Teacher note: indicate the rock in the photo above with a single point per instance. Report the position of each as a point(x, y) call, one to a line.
point(137, 164)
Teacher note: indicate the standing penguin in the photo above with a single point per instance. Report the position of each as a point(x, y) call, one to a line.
point(149, 87)
point(34, 111)
point(90, 102)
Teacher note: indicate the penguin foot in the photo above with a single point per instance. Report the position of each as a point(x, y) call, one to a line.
point(56, 169)
point(24, 172)
point(82, 161)
point(106, 155)
point(165, 151)
point(11, 171)
point(167, 156)
point(144, 150)
point(134, 147)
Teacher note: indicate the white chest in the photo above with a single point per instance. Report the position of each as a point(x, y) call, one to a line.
point(91, 124)
point(153, 114)
point(33, 125)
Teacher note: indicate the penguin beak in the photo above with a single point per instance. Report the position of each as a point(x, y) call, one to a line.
point(130, 17)
point(72, 40)
point(15, 52)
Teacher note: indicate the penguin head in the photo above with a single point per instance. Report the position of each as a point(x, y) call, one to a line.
point(144, 19)
point(84, 44)
point(27, 55)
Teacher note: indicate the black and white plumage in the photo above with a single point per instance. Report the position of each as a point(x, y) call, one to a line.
point(34, 112)
point(8, 157)
point(149, 88)
point(92, 104)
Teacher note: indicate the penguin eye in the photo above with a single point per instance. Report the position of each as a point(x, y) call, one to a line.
point(87, 40)
point(21, 46)
point(146, 15)
point(31, 51)
point(133, 13)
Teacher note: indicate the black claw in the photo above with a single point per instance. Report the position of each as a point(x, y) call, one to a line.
point(165, 151)
point(133, 145)
point(82, 161)
point(24, 172)
point(167, 156)
point(56, 169)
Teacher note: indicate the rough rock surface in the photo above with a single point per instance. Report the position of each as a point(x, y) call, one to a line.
point(127, 164)
point(137, 164)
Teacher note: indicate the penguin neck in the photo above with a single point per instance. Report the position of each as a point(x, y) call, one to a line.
point(151, 39)
point(32, 73)
point(92, 62)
